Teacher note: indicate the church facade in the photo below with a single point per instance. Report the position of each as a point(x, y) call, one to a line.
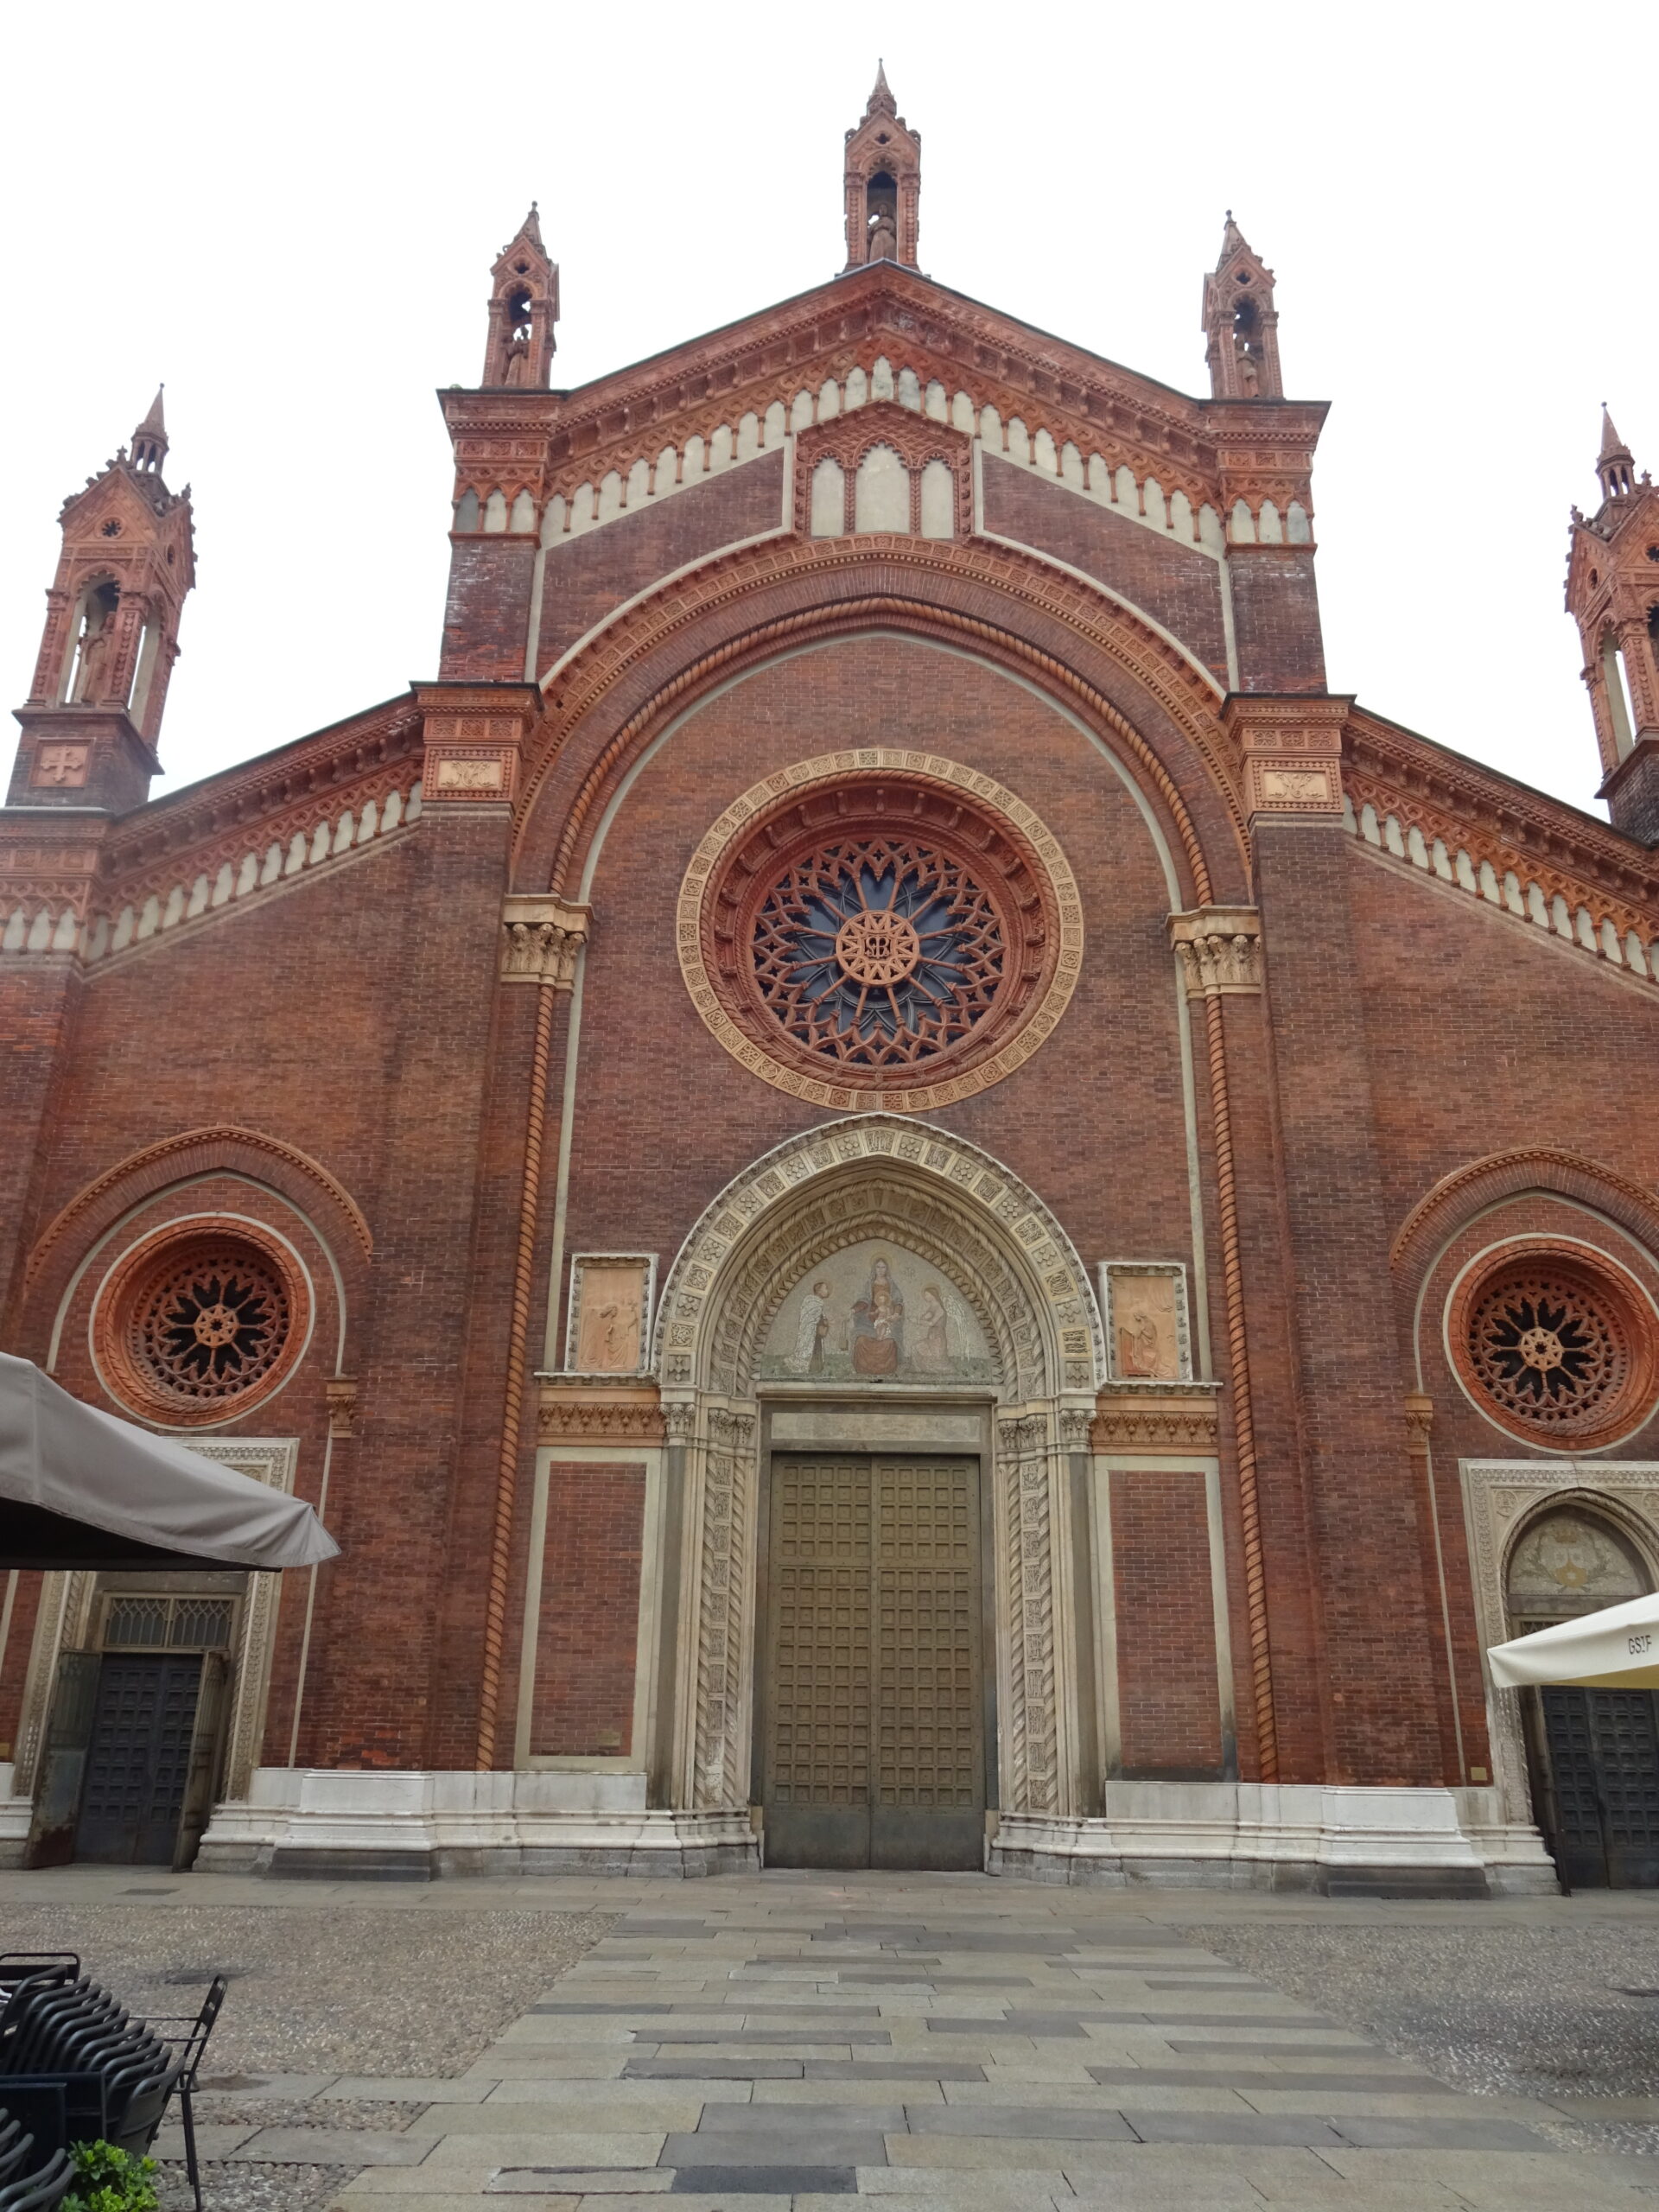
point(907, 1200)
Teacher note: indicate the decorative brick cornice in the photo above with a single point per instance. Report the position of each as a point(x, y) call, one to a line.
point(1219, 949)
point(882, 309)
point(1157, 1417)
point(1397, 769)
point(474, 733)
point(542, 937)
point(599, 1410)
point(1290, 746)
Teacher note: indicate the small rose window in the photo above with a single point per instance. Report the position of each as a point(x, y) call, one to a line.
point(193, 1328)
point(1558, 1348)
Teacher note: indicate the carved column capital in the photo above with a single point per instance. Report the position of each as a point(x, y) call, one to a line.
point(340, 1391)
point(543, 938)
point(1219, 949)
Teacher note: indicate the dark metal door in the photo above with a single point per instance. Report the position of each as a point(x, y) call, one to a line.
point(873, 1735)
point(1603, 1749)
point(138, 1763)
point(63, 1763)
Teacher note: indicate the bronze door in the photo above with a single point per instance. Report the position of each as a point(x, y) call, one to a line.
point(871, 1697)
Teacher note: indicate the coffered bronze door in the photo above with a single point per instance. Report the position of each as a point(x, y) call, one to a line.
point(871, 1691)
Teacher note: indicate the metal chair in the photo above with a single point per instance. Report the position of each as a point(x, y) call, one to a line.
point(191, 2048)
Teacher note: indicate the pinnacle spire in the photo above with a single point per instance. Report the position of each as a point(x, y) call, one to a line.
point(150, 439)
point(881, 96)
point(1615, 464)
point(531, 228)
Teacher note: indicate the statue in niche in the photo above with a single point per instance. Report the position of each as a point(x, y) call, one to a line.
point(930, 1339)
point(812, 1329)
point(878, 1326)
point(884, 237)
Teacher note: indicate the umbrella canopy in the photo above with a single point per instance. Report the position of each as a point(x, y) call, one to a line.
point(79, 1488)
point(1617, 1649)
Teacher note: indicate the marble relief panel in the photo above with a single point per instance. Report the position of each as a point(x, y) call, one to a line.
point(874, 1313)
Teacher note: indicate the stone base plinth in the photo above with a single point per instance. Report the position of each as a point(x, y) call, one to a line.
point(1314, 1838)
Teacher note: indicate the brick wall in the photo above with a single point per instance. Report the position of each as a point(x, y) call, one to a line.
point(1168, 1701)
point(585, 577)
point(1276, 618)
point(1176, 586)
point(487, 613)
point(590, 1610)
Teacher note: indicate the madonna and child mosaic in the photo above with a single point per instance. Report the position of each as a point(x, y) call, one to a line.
point(875, 1314)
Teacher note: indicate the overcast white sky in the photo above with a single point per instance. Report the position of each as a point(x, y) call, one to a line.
point(289, 215)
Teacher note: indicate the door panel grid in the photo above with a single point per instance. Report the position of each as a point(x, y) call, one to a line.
point(873, 1750)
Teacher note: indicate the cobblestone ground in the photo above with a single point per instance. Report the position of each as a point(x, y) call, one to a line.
point(966, 2046)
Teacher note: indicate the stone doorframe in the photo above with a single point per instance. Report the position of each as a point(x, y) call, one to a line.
point(1500, 1497)
point(880, 1175)
point(65, 1621)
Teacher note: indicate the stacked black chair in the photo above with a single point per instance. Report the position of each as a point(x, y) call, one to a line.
point(191, 2046)
point(74, 2064)
point(30, 2181)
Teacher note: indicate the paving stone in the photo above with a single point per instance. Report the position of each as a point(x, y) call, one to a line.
point(562, 2115)
point(539, 2147)
point(893, 2070)
point(707, 2185)
point(214, 2139)
point(1302, 2129)
point(1052, 2123)
point(1250, 2079)
point(836, 2144)
point(875, 2038)
point(1262, 2047)
point(762, 2119)
point(622, 2096)
point(1407, 2133)
point(566, 2186)
point(1045, 2027)
point(410, 2089)
point(418, 2185)
point(848, 2095)
point(715, 2070)
point(333, 2146)
point(934, 2189)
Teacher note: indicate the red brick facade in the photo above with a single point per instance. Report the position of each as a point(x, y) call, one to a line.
point(409, 996)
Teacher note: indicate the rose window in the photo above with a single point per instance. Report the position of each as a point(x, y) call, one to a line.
point(192, 1329)
point(879, 924)
point(1558, 1347)
point(878, 952)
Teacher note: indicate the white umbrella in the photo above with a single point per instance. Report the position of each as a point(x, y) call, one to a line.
point(79, 1488)
point(1617, 1649)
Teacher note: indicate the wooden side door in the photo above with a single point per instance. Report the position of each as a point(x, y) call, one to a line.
point(138, 1761)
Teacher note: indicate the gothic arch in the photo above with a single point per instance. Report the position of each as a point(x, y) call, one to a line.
point(826, 1187)
point(1550, 1172)
point(248, 1154)
point(1004, 1250)
point(662, 655)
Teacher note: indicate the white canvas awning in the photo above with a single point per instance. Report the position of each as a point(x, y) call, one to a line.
point(1617, 1649)
point(79, 1488)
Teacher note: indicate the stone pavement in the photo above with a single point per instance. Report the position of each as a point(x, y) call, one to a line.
point(754, 2045)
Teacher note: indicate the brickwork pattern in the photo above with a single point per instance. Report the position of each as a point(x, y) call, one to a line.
point(590, 1610)
point(1169, 1715)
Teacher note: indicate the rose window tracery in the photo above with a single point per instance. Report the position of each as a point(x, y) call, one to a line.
point(879, 922)
point(878, 952)
point(191, 1328)
point(1557, 1346)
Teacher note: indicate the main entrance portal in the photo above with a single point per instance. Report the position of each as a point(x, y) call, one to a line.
point(871, 1698)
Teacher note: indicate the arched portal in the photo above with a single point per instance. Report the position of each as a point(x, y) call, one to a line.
point(964, 1329)
point(1592, 1755)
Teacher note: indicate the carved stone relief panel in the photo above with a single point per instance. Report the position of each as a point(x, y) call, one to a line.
point(608, 1331)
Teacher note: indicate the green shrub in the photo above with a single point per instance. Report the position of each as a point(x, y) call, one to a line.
point(108, 2180)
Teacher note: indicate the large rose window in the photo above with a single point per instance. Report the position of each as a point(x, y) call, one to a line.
point(878, 951)
point(879, 922)
point(1557, 1345)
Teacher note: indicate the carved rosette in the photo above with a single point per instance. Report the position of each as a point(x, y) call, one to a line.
point(1219, 949)
point(542, 936)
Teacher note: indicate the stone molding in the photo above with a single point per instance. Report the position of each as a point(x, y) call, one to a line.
point(1219, 949)
point(543, 937)
point(1546, 1171)
point(1157, 1417)
point(603, 1410)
